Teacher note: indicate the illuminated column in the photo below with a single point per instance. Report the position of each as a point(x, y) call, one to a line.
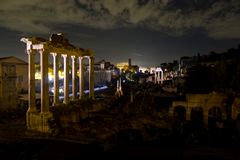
point(120, 86)
point(156, 77)
point(74, 77)
point(56, 78)
point(44, 81)
point(162, 77)
point(31, 81)
point(91, 77)
point(66, 78)
point(81, 78)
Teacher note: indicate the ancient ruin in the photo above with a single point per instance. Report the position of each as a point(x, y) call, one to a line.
point(119, 91)
point(57, 46)
point(202, 106)
point(158, 75)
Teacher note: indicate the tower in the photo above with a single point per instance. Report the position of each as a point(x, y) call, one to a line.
point(129, 62)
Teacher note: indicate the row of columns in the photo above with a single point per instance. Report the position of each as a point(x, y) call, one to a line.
point(158, 77)
point(44, 78)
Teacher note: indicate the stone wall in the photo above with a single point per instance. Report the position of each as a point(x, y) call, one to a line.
point(203, 101)
point(236, 108)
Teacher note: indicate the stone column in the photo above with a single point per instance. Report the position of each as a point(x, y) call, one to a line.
point(44, 81)
point(188, 114)
point(74, 77)
point(81, 78)
point(91, 77)
point(66, 78)
point(205, 117)
point(56, 78)
point(155, 77)
point(161, 77)
point(31, 81)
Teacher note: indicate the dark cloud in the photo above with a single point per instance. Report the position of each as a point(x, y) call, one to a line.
point(218, 18)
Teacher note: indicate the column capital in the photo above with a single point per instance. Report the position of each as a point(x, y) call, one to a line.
point(53, 54)
point(73, 58)
point(64, 55)
point(30, 51)
point(41, 50)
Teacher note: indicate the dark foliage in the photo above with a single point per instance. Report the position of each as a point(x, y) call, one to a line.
point(199, 79)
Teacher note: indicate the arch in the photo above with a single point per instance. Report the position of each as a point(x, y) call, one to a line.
point(197, 114)
point(214, 116)
point(180, 113)
point(215, 113)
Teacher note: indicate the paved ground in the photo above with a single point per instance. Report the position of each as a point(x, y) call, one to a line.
point(16, 143)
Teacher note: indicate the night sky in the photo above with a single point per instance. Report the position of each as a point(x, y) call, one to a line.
point(150, 32)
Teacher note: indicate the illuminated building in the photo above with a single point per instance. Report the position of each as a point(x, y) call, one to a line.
point(127, 66)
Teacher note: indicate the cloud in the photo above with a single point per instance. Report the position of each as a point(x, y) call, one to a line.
point(138, 54)
point(218, 18)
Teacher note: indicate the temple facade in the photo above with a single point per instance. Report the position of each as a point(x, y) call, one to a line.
point(58, 47)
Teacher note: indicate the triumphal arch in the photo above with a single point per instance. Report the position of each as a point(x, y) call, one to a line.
point(56, 46)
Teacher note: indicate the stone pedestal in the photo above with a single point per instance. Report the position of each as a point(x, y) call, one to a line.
point(38, 121)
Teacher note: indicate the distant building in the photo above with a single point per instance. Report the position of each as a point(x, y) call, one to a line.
point(134, 68)
point(102, 72)
point(13, 80)
point(144, 69)
point(127, 66)
point(103, 65)
point(21, 72)
point(8, 94)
